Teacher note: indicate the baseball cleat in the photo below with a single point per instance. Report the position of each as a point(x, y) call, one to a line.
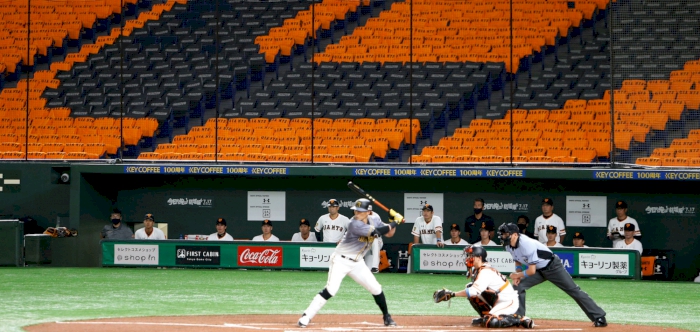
point(600, 322)
point(527, 323)
point(388, 321)
point(303, 321)
point(375, 270)
point(477, 321)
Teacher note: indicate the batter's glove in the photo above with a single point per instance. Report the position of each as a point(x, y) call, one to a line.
point(395, 217)
point(443, 295)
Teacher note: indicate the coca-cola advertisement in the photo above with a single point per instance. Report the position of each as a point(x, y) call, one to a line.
point(259, 256)
point(197, 255)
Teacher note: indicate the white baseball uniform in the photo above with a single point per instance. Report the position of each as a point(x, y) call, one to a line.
point(541, 224)
point(615, 225)
point(490, 244)
point(636, 245)
point(461, 242)
point(333, 229)
point(427, 231)
point(372, 255)
point(556, 245)
point(272, 238)
point(489, 278)
point(215, 237)
point(157, 234)
point(347, 260)
point(297, 237)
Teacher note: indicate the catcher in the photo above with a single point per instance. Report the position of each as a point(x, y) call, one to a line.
point(490, 293)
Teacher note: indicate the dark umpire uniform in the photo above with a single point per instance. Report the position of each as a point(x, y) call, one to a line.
point(548, 267)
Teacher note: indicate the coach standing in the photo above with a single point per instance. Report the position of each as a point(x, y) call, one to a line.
point(472, 225)
point(540, 264)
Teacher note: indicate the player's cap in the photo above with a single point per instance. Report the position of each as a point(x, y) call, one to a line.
point(333, 202)
point(454, 226)
point(428, 207)
point(267, 222)
point(361, 205)
point(551, 229)
point(621, 205)
point(487, 225)
point(629, 227)
point(579, 235)
point(548, 201)
point(221, 221)
point(304, 221)
point(149, 216)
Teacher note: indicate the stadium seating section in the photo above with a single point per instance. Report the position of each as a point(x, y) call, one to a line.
point(384, 87)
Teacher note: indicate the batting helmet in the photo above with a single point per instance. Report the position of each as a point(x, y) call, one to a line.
point(361, 205)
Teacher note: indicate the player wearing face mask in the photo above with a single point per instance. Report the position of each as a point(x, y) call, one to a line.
point(473, 223)
point(117, 230)
point(523, 223)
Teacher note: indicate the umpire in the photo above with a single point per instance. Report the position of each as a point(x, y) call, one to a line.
point(540, 264)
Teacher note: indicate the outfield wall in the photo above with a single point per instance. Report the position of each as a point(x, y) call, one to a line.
point(664, 203)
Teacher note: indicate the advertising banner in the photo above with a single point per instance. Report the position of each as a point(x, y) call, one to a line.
point(259, 256)
point(198, 255)
point(135, 254)
point(267, 205)
point(413, 204)
point(315, 257)
point(603, 264)
point(586, 211)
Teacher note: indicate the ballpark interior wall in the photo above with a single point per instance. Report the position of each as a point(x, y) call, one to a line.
point(142, 194)
point(93, 195)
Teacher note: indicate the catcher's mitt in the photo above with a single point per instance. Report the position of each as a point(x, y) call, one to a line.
point(443, 295)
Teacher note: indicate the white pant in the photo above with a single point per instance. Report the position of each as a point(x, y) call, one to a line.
point(506, 305)
point(357, 270)
point(372, 256)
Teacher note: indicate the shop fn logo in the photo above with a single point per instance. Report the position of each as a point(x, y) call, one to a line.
point(9, 182)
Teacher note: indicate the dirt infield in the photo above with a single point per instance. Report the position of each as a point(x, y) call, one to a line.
point(320, 323)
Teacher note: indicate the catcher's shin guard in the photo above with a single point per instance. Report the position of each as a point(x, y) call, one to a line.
point(479, 306)
point(501, 321)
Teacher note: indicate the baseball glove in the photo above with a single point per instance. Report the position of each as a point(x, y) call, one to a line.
point(443, 295)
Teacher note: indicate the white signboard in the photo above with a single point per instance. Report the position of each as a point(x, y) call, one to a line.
point(413, 205)
point(603, 264)
point(315, 256)
point(267, 205)
point(586, 211)
point(453, 260)
point(136, 254)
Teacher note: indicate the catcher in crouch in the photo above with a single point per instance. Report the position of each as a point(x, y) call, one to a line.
point(490, 293)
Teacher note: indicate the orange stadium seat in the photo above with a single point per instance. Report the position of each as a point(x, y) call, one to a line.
point(421, 159)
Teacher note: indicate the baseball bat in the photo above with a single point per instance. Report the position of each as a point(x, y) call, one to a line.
point(356, 189)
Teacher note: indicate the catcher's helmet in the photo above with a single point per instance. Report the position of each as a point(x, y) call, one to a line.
point(361, 205)
point(475, 252)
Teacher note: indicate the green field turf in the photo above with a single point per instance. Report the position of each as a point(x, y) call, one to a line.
point(31, 295)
